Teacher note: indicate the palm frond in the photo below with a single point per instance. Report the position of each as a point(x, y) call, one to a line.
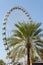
point(38, 31)
point(40, 52)
point(18, 34)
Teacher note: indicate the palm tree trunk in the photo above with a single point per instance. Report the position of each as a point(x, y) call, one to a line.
point(28, 54)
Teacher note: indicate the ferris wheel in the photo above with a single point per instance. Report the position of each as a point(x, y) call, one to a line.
point(14, 15)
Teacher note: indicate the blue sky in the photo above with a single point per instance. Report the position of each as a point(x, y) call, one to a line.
point(34, 7)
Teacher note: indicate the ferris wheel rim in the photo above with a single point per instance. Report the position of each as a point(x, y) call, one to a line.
point(6, 18)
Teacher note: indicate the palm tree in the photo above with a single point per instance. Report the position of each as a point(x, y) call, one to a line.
point(2, 62)
point(27, 37)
